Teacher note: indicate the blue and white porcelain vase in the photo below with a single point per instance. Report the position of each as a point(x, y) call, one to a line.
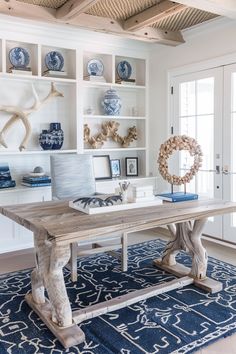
point(57, 135)
point(111, 103)
point(45, 140)
point(53, 138)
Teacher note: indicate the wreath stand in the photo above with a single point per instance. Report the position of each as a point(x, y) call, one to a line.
point(186, 235)
point(178, 143)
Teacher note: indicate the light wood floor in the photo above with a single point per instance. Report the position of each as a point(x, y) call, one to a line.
point(11, 262)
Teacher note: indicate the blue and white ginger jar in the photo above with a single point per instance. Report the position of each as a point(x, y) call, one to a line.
point(53, 138)
point(111, 103)
point(46, 140)
point(57, 134)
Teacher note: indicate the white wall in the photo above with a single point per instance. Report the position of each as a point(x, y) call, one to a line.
point(205, 42)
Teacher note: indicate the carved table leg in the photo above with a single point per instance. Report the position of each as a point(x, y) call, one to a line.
point(187, 237)
point(55, 286)
point(197, 251)
point(56, 312)
point(37, 282)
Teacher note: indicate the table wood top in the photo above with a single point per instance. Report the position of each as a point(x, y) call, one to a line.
point(65, 225)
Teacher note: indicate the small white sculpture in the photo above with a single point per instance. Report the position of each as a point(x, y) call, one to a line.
point(124, 191)
point(23, 114)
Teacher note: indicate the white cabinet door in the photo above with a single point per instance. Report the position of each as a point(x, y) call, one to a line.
point(7, 227)
point(24, 238)
point(13, 236)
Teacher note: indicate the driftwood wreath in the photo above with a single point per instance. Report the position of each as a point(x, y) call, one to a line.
point(109, 130)
point(175, 143)
point(23, 114)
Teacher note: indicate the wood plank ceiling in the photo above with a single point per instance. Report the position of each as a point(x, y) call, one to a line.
point(148, 20)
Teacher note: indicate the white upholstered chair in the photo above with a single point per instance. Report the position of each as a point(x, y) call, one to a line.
point(73, 177)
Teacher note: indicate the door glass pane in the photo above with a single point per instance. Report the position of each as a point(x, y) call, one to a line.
point(233, 139)
point(205, 181)
point(205, 96)
point(233, 159)
point(234, 199)
point(197, 120)
point(205, 137)
point(233, 96)
point(187, 98)
point(187, 126)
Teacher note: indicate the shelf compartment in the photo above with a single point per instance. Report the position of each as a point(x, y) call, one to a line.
point(106, 59)
point(21, 189)
point(91, 116)
point(121, 154)
point(69, 67)
point(58, 109)
point(28, 78)
point(36, 152)
point(107, 84)
point(33, 53)
point(115, 149)
point(125, 124)
point(131, 101)
point(138, 69)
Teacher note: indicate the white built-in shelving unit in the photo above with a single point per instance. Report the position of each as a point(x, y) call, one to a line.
point(79, 95)
point(71, 112)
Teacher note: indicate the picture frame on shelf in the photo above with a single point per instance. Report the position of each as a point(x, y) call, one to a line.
point(131, 166)
point(102, 167)
point(115, 168)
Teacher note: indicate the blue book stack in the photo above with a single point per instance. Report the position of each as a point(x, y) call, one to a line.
point(178, 197)
point(39, 181)
point(5, 177)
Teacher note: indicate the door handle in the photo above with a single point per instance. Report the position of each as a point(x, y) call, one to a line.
point(217, 170)
point(225, 170)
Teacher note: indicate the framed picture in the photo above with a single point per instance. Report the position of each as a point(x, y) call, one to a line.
point(131, 166)
point(115, 168)
point(102, 167)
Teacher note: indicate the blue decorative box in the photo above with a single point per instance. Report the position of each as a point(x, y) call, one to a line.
point(5, 177)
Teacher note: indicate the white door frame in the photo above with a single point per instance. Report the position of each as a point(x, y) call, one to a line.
point(214, 226)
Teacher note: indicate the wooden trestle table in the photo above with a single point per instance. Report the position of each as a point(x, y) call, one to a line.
point(56, 226)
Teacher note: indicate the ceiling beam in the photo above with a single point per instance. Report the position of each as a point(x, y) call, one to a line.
point(225, 8)
point(147, 34)
point(153, 14)
point(74, 8)
point(31, 12)
point(95, 23)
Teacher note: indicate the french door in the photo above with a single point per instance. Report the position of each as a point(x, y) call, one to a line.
point(229, 149)
point(204, 107)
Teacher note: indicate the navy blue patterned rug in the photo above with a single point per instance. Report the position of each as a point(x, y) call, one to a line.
point(180, 321)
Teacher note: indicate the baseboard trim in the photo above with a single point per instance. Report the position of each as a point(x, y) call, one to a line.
point(16, 253)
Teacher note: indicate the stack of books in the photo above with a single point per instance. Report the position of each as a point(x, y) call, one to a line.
point(177, 197)
point(21, 71)
point(95, 78)
point(126, 81)
point(143, 194)
point(5, 177)
point(37, 181)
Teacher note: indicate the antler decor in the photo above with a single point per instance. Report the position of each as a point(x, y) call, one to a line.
point(109, 130)
point(23, 115)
